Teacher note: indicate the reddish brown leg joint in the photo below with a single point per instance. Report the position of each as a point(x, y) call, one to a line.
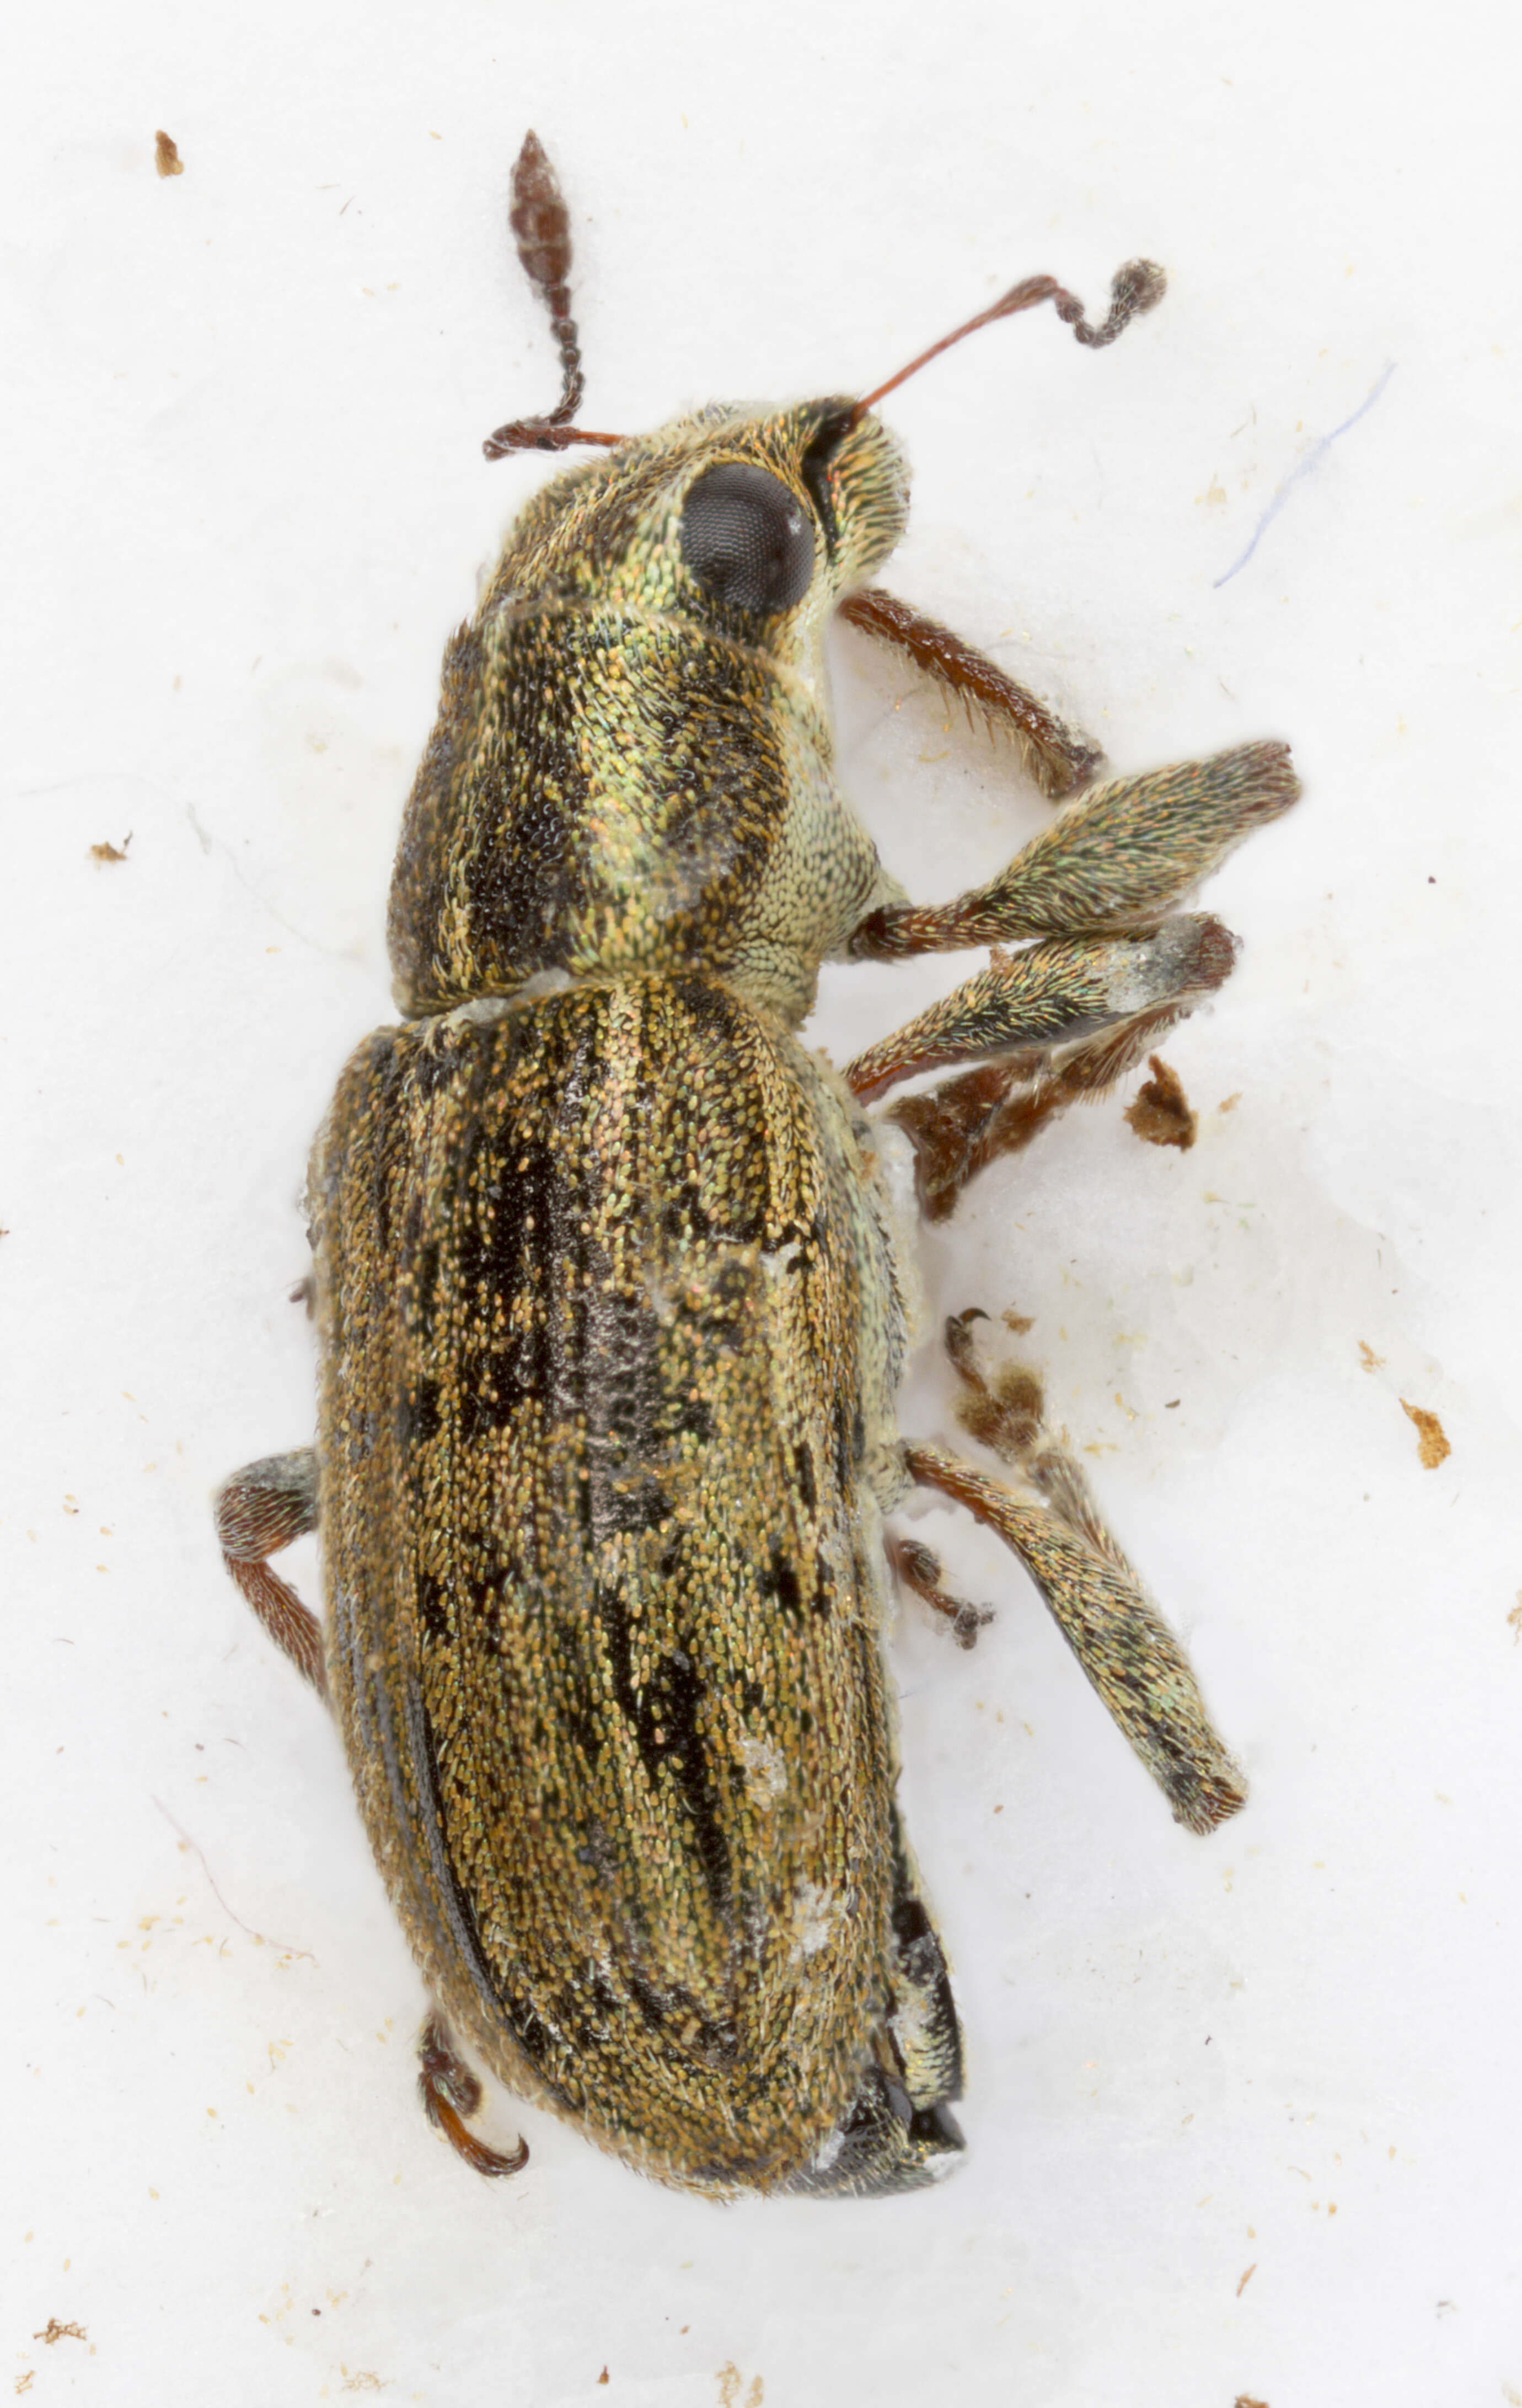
point(919, 1570)
point(259, 1511)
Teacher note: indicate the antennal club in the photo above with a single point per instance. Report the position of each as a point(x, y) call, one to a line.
point(540, 225)
point(1139, 285)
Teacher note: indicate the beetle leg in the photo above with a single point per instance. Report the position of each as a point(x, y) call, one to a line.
point(450, 2092)
point(1115, 861)
point(260, 1510)
point(1059, 760)
point(1117, 1634)
point(1054, 995)
point(919, 1569)
point(965, 1123)
point(899, 2132)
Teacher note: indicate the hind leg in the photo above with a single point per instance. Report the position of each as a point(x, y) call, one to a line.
point(1117, 1634)
point(260, 1510)
point(900, 2133)
point(450, 2092)
point(1050, 1519)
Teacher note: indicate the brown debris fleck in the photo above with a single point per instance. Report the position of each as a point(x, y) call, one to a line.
point(1003, 1412)
point(1242, 2400)
point(1370, 1361)
point(1433, 1448)
point(166, 158)
point(111, 851)
point(1230, 1103)
point(1514, 1620)
point(1161, 1113)
point(603, 2376)
point(1018, 1322)
point(53, 2332)
point(1005, 1415)
point(1248, 2278)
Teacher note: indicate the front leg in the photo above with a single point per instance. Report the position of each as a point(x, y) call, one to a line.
point(1114, 862)
point(1059, 761)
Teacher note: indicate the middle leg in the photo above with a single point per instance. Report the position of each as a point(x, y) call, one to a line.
point(1068, 991)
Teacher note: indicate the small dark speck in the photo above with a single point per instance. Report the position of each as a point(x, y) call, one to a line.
point(1207, 2040)
point(1172, 1405)
point(1431, 881)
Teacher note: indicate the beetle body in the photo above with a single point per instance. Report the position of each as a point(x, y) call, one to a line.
point(610, 1331)
point(612, 1310)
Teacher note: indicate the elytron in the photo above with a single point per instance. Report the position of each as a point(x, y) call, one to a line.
point(613, 1300)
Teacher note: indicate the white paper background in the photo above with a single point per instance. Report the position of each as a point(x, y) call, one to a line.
point(243, 412)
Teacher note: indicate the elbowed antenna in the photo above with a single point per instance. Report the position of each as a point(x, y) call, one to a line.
point(1139, 285)
point(540, 225)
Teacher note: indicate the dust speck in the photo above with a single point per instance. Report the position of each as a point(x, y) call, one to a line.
point(1161, 1114)
point(1432, 1444)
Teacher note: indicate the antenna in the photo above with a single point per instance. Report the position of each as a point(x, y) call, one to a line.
point(1139, 285)
point(540, 225)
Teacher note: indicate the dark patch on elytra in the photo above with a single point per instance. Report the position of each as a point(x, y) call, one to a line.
point(694, 1418)
point(663, 1717)
point(432, 1612)
point(844, 1459)
point(418, 1416)
point(510, 1193)
point(823, 1600)
point(803, 1464)
point(636, 1504)
point(780, 1580)
point(673, 2013)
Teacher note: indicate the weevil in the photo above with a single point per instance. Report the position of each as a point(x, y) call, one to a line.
point(613, 1300)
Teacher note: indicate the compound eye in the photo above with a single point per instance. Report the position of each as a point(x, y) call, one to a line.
point(748, 540)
